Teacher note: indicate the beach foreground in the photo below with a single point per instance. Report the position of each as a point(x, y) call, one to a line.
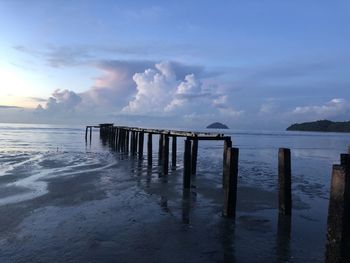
point(64, 201)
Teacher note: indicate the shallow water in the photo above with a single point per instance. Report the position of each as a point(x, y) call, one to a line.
point(62, 200)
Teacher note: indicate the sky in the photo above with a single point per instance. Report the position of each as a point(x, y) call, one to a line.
point(253, 64)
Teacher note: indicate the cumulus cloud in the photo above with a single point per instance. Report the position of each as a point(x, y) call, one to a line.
point(64, 101)
point(334, 108)
point(161, 91)
point(154, 89)
point(221, 103)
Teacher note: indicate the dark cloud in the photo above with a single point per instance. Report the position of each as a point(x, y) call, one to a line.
point(9, 107)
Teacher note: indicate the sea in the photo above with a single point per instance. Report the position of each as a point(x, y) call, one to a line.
point(63, 199)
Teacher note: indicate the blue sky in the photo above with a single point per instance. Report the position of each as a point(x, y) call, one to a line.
point(251, 64)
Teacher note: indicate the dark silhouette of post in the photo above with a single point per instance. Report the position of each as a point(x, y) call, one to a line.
point(136, 141)
point(284, 182)
point(194, 155)
point(149, 148)
point(141, 138)
point(165, 154)
point(187, 164)
point(160, 149)
point(173, 152)
point(338, 228)
point(230, 182)
point(227, 144)
point(132, 143)
point(86, 132)
point(90, 133)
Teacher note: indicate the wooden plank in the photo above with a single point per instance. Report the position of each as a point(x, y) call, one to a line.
point(284, 182)
point(230, 189)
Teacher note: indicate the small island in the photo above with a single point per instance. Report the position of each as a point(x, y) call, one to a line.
point(321, 126)
point(217, 125)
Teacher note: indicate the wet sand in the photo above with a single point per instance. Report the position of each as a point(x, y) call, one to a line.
point(129, 212)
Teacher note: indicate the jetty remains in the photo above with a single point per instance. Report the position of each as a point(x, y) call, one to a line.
point(131, 140)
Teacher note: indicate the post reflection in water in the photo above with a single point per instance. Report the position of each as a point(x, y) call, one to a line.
point(228, 233)
point(284, 226)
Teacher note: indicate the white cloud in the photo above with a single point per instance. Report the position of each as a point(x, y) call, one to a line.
point(335, 107)
point(155, 87)
point(221, 103)
point(160, 91)
point(64, 101)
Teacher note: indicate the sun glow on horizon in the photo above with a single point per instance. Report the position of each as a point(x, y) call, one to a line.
point(17, 88)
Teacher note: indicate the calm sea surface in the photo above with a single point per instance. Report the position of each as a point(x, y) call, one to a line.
point(63, 200)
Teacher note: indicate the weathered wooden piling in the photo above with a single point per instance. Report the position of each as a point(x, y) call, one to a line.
point(227, 144)
point(230, 179)
point(149, 148)
point(127, 141)
point(165, 154)
point(338, 229)
point(132, 143)
point(173, 152)
point(160, 148)
point(141, 139)
point(187, 164)
point(194, 156)
point(136, 142)
point(86, 132)
point(284, 182)
point(90, 133)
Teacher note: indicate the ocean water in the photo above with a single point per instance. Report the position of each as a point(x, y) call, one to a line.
point(65, 200)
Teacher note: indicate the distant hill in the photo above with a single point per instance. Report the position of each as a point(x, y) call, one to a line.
point(321, 126)
point(217, 125)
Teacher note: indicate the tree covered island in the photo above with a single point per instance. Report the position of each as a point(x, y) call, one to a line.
point(321, 126)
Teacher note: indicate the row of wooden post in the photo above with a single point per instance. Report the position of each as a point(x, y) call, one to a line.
point(338, 224)
point(125, 140)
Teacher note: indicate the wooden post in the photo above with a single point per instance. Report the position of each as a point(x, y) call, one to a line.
point(124, 140)
point(284, 182)
point(230, 177)
point(173, 152)
point(165, 157)
point(187, 164)
point(141, 138)
point(194, 156)
point(116, 138)
point(338, 229)
point(86, 131)
point(160, 149)
point(136, 141)
point(121, 140)
point(90, 133)
point(227, 144)
point(149, 148)
point(127, 141)
point(132, 143)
